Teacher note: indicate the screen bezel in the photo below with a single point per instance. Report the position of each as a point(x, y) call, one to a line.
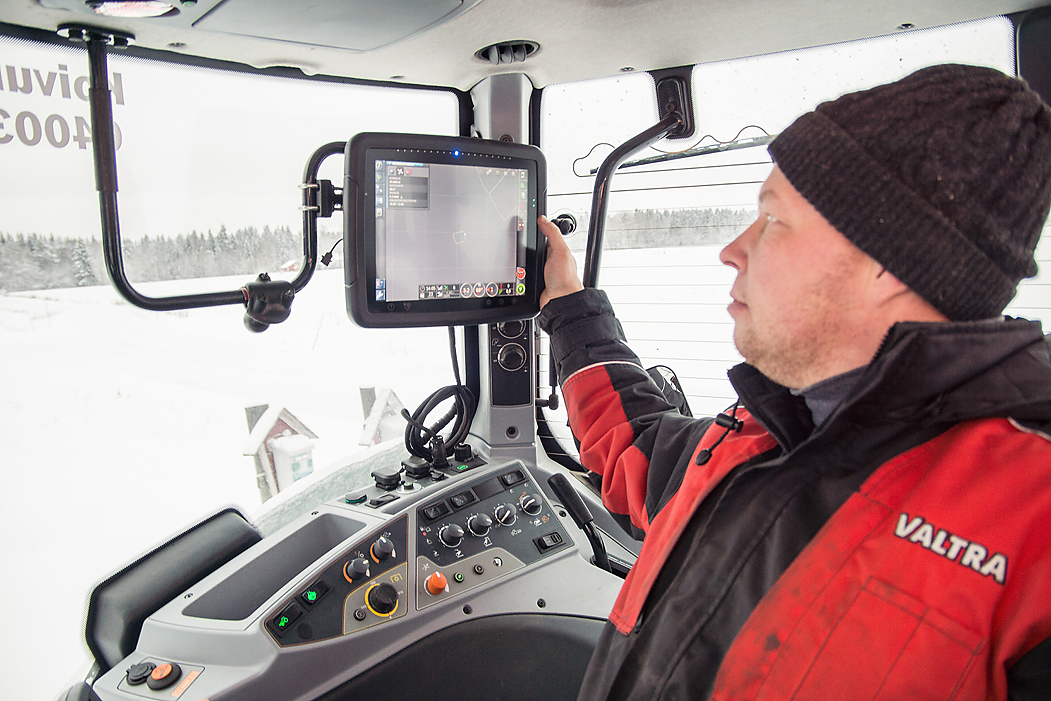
point(362, 152)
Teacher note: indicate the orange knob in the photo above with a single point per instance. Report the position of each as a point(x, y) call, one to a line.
point(436, 584)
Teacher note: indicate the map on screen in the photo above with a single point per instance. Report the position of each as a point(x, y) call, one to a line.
point(449, 231)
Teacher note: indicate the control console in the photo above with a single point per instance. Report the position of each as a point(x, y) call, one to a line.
point(473, 534)
point(480, 533)
point(363, 587)
point(354, 593)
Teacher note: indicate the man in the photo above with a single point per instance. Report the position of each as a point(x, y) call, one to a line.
point(874, 519)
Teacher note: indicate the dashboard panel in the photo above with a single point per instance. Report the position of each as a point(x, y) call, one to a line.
point(477, 585)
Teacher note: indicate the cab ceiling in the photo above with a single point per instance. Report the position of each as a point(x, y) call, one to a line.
point(433, 42)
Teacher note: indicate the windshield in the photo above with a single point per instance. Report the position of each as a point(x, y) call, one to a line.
point(127, 425)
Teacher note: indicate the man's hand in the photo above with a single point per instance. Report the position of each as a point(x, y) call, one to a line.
point(560, 268)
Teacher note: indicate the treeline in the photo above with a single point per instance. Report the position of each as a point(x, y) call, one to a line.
point(246, 251)
point(668, 228)
point(34, 262)
point(37, 263)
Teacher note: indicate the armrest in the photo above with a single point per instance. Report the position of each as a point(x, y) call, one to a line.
point(118, 606)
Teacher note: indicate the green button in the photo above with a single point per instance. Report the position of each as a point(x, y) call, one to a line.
point(311, 596)
point(458, 578)
point(461, 468)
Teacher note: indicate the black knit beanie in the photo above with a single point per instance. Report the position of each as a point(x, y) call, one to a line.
point(943, 177)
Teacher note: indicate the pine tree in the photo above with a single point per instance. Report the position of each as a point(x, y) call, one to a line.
point(83, 273)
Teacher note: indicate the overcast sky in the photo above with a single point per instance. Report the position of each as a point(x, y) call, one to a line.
point(198, 149)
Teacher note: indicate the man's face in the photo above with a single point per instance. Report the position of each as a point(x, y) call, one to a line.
point(802, 298)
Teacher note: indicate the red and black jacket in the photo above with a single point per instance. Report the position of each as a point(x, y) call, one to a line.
point(901, 549)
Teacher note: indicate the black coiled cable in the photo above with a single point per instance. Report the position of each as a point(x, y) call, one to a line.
point(432, 447)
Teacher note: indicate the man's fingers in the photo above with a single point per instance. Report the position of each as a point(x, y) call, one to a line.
point(560, 268)
point(552, 232)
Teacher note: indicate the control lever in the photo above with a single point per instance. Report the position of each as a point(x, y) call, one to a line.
point(566, 223)
point(581, 516)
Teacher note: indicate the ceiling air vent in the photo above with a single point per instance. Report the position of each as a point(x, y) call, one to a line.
point(507, 52)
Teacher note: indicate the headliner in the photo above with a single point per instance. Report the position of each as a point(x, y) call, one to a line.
point(578, 39)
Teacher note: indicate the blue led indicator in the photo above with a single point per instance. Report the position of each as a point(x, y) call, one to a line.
point(456, 154)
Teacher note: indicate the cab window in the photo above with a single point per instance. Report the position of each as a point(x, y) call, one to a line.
point(667, 221)
point(122, 425)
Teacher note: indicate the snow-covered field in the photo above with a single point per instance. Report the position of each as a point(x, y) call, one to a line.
point(121, 427)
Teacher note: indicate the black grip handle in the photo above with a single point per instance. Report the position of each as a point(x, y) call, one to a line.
point(576, 507)
point(581, 515)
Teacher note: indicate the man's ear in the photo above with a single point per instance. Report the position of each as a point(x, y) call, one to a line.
point(903, 304)
point(887, 286)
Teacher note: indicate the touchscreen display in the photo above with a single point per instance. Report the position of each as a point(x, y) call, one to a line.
point(449, 231)
point(442, 230)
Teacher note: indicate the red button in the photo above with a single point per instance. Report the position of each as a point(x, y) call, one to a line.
point(163, 676)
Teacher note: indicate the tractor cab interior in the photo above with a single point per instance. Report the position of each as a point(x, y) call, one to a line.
point(470, 558)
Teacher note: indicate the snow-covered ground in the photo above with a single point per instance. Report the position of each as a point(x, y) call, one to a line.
point(122, 427)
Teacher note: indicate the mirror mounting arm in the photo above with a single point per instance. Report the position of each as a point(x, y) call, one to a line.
point(104, 152)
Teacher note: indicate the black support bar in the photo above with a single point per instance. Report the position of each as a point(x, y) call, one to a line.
point(105, 156)
point(600, 196)
point(105, 160)
point(312, 209)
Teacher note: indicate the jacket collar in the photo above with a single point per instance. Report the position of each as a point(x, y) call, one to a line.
point(925, 373)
